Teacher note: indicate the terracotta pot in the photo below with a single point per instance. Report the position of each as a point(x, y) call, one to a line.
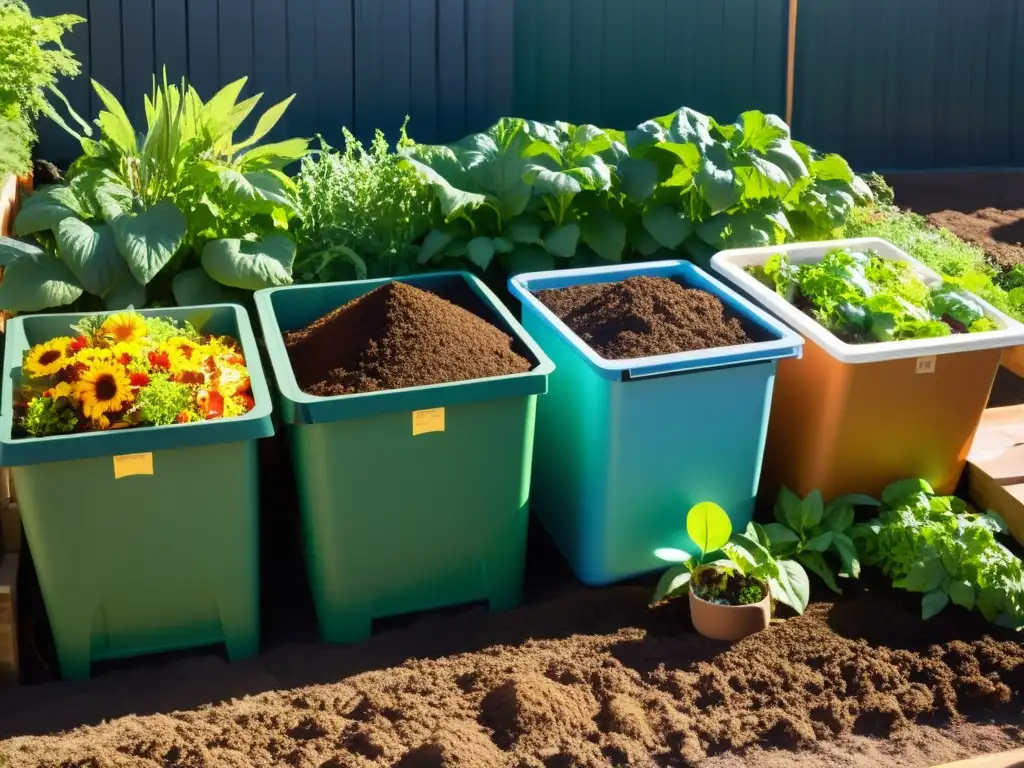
point(1013, 360)
point(729, 622)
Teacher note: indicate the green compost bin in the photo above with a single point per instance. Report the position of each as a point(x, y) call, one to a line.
point(394, 521)
point(148, 562)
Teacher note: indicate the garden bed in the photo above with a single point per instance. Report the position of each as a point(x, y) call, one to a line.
point(584, 678)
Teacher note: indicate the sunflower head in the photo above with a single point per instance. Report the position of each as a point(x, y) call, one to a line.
point(124, 327)
point(103, 388)
point(48, 358)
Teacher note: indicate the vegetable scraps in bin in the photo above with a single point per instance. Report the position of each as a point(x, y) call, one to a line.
point(863, 298)
point(130, 371)
point(398, 336)
point(643, 317)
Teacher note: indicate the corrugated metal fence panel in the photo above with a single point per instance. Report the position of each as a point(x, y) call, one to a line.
point(364, 64)
point(618, 62)
point(912, 83)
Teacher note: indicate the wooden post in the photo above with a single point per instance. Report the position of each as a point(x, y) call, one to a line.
point(791, 60)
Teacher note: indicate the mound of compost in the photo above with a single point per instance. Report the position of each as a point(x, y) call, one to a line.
point(595, 679)
point(644, 316)
point(398, 336)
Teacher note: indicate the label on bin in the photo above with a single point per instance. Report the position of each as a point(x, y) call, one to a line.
point(430, 420)
point(926, 364)
point(133, 464)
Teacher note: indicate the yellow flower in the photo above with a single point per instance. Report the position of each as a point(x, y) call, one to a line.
point(63, 389)
point(93, 355)
point(103, 388)
point(124, 326)
point(46, 359)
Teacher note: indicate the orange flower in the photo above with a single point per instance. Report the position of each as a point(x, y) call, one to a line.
point(79, 343)
point(139, 380)
point(160, 360)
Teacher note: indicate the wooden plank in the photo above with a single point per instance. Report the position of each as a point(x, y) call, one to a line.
point(995, 466)
point(335, 78)
point(170, 33)
point(137, 52)
point(203, 55)
point(451, 70)
point(270, 65)
point(9, 665)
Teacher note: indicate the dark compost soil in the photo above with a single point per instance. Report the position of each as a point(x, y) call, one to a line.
point(644, 316)
point(591, 679)
point(398, 336)
point(985, 209)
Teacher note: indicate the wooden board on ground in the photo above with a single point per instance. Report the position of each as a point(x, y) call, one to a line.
point(995, 466)
point(1011, 759)
point(8, 619)
point(10, 516)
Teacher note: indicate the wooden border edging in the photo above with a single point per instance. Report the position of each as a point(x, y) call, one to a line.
point(791, 61)
point(1012, 759)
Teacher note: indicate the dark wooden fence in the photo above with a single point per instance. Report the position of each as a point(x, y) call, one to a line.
point(890, 83)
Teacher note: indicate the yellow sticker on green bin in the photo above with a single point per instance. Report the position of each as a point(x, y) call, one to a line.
point(133, 464)
point(430, 420)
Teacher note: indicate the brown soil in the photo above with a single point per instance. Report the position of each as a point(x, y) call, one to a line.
point(398, 336)
point(644, 316)
point(986, 209)
point(604, 682)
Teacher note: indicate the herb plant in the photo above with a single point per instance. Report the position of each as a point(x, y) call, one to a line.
point(747, 554)
point(362, 211)
point(176, 214)
point(932, 545)
point(32, 58)
point(863, 298)
point(817, 535)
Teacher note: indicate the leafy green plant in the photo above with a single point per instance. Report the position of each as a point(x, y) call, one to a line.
point(746, 554)
point(362, 211)
point(816, 534)
point(930, 544)
point(32, 58)
point(864, 298)
point(179, 213)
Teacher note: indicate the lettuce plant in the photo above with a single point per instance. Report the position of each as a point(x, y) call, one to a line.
point(930, 544)
point(181, 213)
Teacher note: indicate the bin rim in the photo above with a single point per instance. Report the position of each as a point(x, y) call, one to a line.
point(732, 264)
point(784, 344)
point(300, 408)
point(257, 423)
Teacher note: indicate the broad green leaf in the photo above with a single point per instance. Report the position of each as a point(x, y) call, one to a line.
point(837, 518)
point(962, 593)
point(114, 123)
point(250, 265)
point(667, 225)
point(433, 244)
point(150, 239)
point(812, 508)
point(562, 241)
point(717, 180)
point(638, 178)
point(788, 508)
point(277, 156)
point(687, 154)
point(670, 555)
point(708, 526)
point(815, 563)
point(782, 539)
point(761, 179)
point(528, 259)
point(844, 546)
point(761, 131)
point(831, 167)
point(91, 254)
point(933, 603)
point(452, 200)
point(37, 281)
point(258, 191)
point(926, 576)
point(193, 287)
point(819, 543)
point(785, 156)
point(855, 500)
point(681, 177)
point(792, 586)
point(688, 126)
point(480, 251)
point(46, 208)
point(503, 245)
point(265, 124)
point(752, 557)
point(11, 249)
point(901, 490)
point(674, 581)
point(525, 230)
point(125, 293)
point(555, 183)
point(757, 227)
point(605, 234)
point(644, 244)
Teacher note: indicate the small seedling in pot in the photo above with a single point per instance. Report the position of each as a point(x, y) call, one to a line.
point(745, 569)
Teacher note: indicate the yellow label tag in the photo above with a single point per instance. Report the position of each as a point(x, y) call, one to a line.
point(926, 364)
point(430, 420)
point(133, 464)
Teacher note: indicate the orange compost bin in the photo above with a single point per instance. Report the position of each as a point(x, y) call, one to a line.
point(851, 418)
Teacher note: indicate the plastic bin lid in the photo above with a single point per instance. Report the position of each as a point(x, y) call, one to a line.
point(783, 342)
point(733, 264)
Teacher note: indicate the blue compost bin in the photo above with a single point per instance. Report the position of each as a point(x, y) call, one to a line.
point(624, 448)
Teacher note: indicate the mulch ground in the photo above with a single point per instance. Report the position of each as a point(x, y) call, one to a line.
point(986, 209)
